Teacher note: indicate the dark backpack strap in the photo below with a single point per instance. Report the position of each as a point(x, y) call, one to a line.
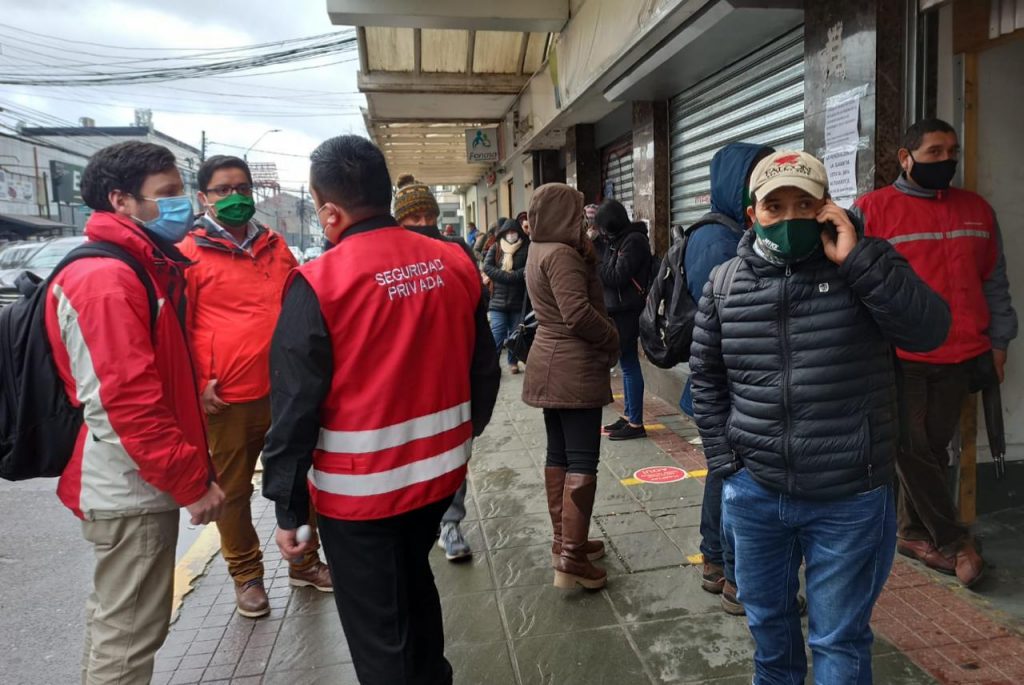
point(112, 251)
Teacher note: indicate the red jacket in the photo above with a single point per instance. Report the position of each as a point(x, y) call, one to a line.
point(142, 447)
point(234, 300)
point(951, 242)
point(396, 429)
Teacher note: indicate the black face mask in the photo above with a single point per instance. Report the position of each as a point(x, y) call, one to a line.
point(933, 175)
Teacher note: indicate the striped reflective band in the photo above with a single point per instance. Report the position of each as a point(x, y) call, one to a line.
point(365, 485)
point(367, 441)
point(964, 233)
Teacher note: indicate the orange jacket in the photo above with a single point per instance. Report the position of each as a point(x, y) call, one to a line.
point(234, 299)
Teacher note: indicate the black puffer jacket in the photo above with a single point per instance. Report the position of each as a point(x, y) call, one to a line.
point(793, 372)
point(625, 268)
point(509, 286)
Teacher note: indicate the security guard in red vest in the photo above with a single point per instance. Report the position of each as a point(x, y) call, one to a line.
point(382, 372)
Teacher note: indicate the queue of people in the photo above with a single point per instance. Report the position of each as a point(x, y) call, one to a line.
point(813, 430)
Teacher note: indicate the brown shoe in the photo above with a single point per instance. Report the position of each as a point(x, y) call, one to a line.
point(316, 576)
point(713, 578)
point(730, 604)
point(573, 567)
point(251, 599)
point(925, 552)
point(970, 567)
point(554, 483)
point(513, 369)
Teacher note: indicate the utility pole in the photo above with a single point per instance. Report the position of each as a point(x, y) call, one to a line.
point(302, 217)
point(202, 149)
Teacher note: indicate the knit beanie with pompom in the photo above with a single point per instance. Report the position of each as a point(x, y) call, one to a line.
point(412, 197)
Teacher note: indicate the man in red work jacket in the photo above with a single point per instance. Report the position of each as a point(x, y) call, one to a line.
point(951, 238)
point(381, 437)
point(234, 291)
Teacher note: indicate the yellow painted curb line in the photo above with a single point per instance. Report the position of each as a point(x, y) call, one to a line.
point(699, 473)
point(193, 564)
point(617, 396)
point(630, 481)
point(695, 559)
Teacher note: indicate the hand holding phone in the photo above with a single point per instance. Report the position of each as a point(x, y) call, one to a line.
point(838, 234)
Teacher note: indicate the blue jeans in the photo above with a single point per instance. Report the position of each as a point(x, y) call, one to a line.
point(714, 544)
point(503, 323)
point(847, 546)
point(457, 509)
point(628, 325)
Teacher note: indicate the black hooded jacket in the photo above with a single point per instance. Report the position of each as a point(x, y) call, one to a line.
point(792, 367)
point(625, 268)
point(509, 286)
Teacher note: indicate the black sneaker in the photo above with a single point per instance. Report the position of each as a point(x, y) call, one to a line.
point(628, 432)
point(618, 425)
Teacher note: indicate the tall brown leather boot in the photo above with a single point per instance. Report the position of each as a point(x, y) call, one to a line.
point(554, 483)
point(573, 567)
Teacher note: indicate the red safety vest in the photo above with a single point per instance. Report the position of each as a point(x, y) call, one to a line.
point(951, 243)
point(395, 427)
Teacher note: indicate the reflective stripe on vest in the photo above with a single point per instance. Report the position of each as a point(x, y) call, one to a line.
point(963, 233)
point(366, 485)
point(367, 441)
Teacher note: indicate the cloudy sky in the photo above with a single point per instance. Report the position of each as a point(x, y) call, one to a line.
point(310, 104)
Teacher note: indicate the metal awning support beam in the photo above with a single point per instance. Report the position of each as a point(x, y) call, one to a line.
point(538, 16)
point(409, 82)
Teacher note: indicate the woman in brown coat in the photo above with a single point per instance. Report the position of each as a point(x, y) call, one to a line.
point(567, 375)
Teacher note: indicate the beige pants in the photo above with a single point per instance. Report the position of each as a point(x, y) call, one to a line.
point(127, 615)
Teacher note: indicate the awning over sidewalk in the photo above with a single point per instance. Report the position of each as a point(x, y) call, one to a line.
point(26, 226)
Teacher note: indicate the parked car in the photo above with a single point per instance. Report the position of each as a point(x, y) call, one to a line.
point(14, 255)
point(312, 253)
point(41, 260)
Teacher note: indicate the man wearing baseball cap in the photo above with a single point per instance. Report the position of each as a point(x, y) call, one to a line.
point(794, 396)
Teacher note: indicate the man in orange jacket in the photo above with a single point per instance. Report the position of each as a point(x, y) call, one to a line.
point(234, 292)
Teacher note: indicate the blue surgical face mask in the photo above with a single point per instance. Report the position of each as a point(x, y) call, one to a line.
point(175, 219)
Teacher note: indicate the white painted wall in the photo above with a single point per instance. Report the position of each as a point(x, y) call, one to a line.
point(1000, 179)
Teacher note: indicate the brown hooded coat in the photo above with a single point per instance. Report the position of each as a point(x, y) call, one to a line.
point(576, 342)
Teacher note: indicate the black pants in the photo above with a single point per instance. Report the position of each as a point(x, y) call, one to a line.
point(386, 597)
point(574, 438)
point(931, 396)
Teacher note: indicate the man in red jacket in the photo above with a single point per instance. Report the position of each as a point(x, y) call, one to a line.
point(142, 452)
point(951, 238)
point(234, 294)
point(377, 437)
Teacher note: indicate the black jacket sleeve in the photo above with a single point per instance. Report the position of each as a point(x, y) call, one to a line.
point(711, 401)
point(484, 372)
point(498, 275)
point(301, 367)
point(911, 315)
point(624, 261)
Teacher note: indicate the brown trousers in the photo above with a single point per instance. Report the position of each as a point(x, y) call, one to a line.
point(236, 439)
point(931, 396)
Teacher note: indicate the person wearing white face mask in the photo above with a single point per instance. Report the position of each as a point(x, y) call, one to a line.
point(504, 269)
point(142, 453)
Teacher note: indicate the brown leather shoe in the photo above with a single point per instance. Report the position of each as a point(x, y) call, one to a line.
point(925, 552)
point(573, 567)
point(970, 567)
point(554, 483)
point(713, 578)
point(316, 576)
point(251, 599)
point(730, 604)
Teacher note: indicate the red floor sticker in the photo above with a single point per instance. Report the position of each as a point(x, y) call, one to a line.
point(660, 474)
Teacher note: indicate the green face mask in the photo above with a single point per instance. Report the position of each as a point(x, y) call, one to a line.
point(235, 210)
point(790, 241)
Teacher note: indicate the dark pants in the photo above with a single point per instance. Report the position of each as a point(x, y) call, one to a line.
point(714, 544)
point(931, 396)
point(386, 597)
point(574, 439)
point(628, 324)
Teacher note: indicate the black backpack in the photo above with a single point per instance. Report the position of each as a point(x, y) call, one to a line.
point(38, 424)
point(666, 323)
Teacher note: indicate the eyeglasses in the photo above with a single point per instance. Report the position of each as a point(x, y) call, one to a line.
point(225, 190)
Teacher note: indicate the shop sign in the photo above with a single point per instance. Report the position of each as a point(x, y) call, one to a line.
point(482, 145)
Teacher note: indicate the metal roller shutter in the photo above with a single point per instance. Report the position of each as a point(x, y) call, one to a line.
point(617, 171)
point(758, 99)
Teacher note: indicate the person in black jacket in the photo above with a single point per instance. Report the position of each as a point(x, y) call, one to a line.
point(504, 268)
point(795, 398)
point(625, 270)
